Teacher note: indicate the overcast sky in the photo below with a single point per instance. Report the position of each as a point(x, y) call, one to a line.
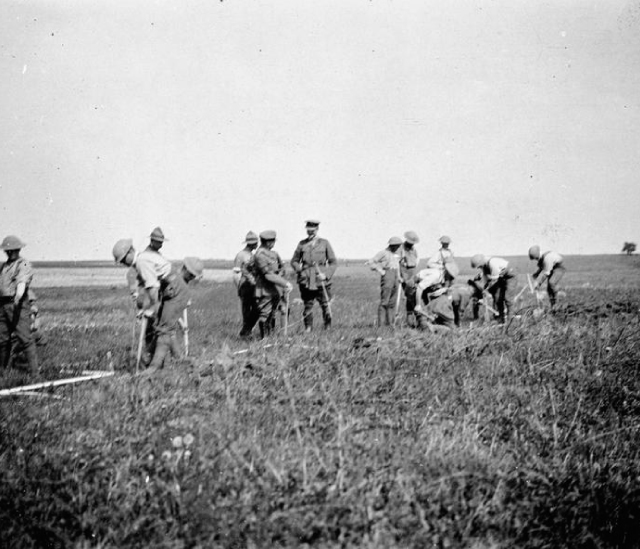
point(499, 123)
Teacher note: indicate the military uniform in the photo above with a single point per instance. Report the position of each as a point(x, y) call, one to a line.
point(550, 268)
point(312, 256)
point(387, 263)
point(246, 285)
point(444, 260)
point(268, 268)
point(408, 268)
point(16, 273)
point(155, 273)
point(500, 280)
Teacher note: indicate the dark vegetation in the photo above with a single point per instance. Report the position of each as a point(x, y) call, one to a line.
point(349, 438)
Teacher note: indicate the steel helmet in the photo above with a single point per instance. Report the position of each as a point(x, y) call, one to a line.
point(395, 241)
point(121, 249)
point(12, 242)
point(444, 239)
point(411, 237)
point(534, 252)
point(251, 238)
point(157, 235)
point(478, 260)
point(194, 266)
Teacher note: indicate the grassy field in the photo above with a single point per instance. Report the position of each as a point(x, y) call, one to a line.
point(355, 437)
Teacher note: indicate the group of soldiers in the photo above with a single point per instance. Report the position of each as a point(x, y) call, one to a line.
point(263, 289)
point(432, 298)
point(159, 288)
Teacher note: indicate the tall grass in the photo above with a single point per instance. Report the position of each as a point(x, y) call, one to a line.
point(348, 438)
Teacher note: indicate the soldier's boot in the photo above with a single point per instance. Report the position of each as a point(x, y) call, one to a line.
point(381, 315)
point(176, 349)
point(32, 357)
point(387, 317)
point(5, 354)
point(411, 319)
point(264, 329)
point(163, 347)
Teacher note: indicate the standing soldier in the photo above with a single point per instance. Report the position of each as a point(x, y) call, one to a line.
point(499, 279)
point(246, 284)
point(387, 263)
point(550, 268)
point(268, 269)
point(15, 278)
point(315, 263)
point(444, 261)
point(408, 267)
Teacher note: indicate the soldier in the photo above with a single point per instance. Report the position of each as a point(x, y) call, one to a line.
point(387, 263)
point(499, 279)
point(157, 239)
point(315, 263)
point(408, 267)
point(438, 314)
point(549, 268)
point(246, 284)
point(174, 301)
point(15, 278)
point(162, 293)
point(443, 259)
point(268, 269)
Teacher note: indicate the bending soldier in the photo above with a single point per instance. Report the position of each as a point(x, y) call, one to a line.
point(549, 268)
point(162, 296)
point(437, 315)
point(315, 263)
point(497, 278)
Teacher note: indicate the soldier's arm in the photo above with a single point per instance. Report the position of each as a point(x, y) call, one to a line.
point(25, 274)
point(265, 266)
point(332, 262)
point(296, 260)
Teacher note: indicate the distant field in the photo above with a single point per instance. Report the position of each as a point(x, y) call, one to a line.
point(596, 271)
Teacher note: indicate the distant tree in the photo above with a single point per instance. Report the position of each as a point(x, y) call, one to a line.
point(629, 247)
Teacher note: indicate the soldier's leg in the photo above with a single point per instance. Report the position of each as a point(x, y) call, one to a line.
point(265, 312)
point(162, 348)
point(509, 295)
point(324, 305)
point(308, 297)
point(552, 284)
point(5, 337)
point(410, 299)
point(174, 346)
point(25, 338)
point(248, 307)
point(386, 288)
